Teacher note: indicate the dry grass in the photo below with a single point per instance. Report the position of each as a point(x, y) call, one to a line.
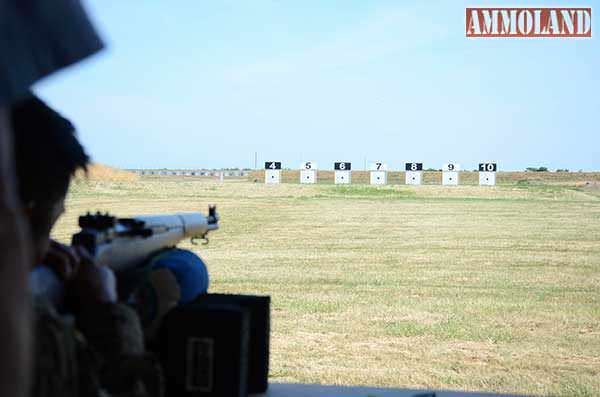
point(492, 289)
point(101, 172)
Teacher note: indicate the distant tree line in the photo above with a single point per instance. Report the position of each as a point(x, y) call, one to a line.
point(544, 169)
point(536, 169)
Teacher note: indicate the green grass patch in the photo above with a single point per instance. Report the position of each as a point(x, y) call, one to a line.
point(364, 191)
point(406, 329)
point(313, 306)
point(541, 187)
point(577, 388)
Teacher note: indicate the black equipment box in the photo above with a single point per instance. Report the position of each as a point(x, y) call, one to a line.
point(203, 348)
point(259, 308)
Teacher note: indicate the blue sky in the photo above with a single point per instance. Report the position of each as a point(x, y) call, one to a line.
point(208, 83)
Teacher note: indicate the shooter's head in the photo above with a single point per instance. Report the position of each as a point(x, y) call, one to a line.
point(47, 155)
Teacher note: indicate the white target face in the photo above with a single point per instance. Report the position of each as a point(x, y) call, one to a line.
point(272, 176)
point(487, 178)
point(413, 177)
point(378, 177)
point(343, 177)
point(308, 176)
point(450, 178)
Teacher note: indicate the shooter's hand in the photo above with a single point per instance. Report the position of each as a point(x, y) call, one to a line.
point(63, 260)
point(91, 284)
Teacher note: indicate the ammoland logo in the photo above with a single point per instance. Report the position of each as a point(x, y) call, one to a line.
point(529, 22)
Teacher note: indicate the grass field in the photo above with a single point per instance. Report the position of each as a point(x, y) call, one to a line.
point(492, 289)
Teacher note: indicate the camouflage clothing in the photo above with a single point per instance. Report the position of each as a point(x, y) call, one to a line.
point(109, 361)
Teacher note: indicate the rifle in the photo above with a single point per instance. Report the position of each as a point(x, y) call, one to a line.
point(126, 244)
